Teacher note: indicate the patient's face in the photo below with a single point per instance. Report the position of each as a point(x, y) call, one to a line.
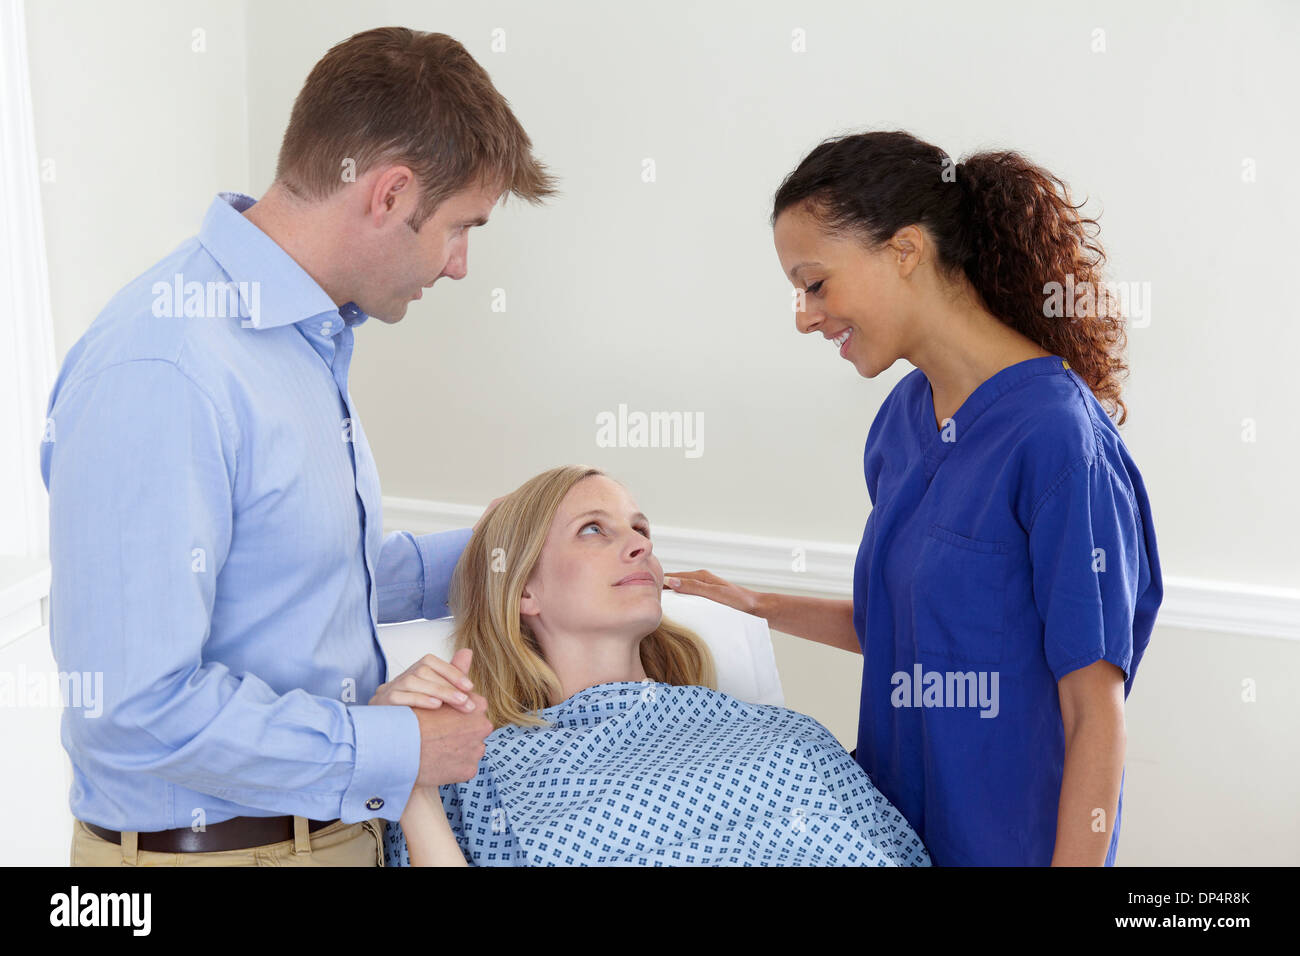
point(575, 591)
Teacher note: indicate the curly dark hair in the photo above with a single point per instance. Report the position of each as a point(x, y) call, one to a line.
point(1001, 220)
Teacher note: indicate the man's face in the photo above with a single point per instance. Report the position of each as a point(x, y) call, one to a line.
point(401, 263)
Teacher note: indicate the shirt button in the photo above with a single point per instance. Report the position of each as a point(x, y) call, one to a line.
point(374, 803)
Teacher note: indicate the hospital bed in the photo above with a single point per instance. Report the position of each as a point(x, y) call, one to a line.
point(740, 643)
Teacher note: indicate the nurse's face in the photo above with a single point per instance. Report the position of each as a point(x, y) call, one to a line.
point(848, 290)
point(597, 579)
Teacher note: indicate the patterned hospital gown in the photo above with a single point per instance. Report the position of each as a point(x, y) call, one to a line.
point(650, 774)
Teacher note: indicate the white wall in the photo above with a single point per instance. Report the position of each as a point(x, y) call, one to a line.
point(668, 296)
point(142, 132)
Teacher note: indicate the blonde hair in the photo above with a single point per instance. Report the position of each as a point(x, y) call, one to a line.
point(508, 667)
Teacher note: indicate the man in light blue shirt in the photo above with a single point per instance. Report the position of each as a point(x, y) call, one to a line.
point(215, 526)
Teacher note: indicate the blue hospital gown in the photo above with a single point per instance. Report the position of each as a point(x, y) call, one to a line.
point(651, 774)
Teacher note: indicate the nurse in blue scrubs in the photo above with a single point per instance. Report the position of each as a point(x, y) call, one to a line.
point(1008, 580)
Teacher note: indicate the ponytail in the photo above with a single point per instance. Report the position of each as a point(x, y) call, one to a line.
point(1003, 223)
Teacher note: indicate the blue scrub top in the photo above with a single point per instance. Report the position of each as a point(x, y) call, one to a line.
point(1002, 552)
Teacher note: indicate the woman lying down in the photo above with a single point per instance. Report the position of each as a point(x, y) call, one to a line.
point(612, 748)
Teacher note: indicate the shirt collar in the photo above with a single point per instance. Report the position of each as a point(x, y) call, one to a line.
point(273, 289)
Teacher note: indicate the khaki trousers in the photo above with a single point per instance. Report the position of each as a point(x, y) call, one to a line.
point(339, 844)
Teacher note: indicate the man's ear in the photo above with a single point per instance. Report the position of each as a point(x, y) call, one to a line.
point(392, 192)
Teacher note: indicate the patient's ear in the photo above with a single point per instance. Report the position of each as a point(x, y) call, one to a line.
point(528, 604)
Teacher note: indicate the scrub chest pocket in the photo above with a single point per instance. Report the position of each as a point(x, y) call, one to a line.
point(959, 598)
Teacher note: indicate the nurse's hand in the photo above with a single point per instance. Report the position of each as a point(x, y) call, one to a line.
point(824, 620)
point(709, 585)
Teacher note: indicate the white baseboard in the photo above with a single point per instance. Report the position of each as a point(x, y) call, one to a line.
point(755, 562)
point(24, 585)
point(770, 563)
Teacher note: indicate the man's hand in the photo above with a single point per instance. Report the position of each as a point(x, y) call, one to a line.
point(451, 741)
point(487, 511)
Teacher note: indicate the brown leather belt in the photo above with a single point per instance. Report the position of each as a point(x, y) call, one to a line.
point(237, 833)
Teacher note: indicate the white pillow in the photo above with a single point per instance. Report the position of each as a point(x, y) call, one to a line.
point(741, 645)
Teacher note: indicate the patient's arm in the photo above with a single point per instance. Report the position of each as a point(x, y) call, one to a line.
point(429, 840)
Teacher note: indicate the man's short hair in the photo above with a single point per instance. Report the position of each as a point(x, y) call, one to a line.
point(394, 95)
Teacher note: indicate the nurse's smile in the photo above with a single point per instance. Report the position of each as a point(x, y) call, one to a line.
point(842, 340)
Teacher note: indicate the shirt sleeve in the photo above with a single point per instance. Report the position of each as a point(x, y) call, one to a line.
point(414, 574)
point(140, 472)
point(1085, 543)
